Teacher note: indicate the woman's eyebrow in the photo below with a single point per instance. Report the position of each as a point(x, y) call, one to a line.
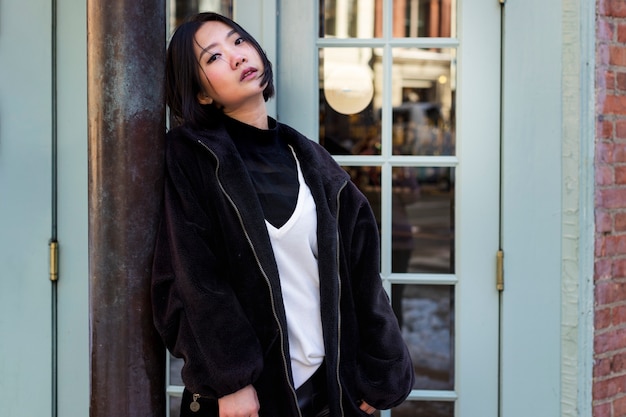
point(211, 46)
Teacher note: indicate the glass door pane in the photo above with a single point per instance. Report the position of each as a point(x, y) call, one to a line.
point(423, 98)
point(179, 10)
point(349, 18)
point(424, 18)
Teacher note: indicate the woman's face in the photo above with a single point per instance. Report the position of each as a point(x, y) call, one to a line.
point(230, 69)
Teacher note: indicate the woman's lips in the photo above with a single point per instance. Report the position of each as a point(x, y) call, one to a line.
point(247, 73)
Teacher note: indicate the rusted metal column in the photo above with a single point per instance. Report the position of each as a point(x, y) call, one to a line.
point(126, 50)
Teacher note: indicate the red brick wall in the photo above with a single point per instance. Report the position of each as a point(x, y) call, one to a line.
point(609, 374)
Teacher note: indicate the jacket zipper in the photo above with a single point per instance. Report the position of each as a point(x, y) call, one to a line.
point(339, 300)
point(258, 262)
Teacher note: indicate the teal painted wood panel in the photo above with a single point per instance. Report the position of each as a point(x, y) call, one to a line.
point(532, 140)
point(25, 209)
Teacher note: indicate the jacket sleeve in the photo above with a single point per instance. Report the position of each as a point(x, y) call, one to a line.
point(195, 310)
point(385, 367)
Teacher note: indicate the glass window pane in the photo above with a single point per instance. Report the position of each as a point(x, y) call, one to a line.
point(182, 9)
point(424, 102)
point(424, 18)
point(176, 365)
point(174, 406)
point(426, 316)
point(367, 179)
point(349, 121)
point(350, 18)
point(423, 220)
point(424, 409)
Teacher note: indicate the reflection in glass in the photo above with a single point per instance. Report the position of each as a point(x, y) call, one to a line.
point(182, 9)
point(424, 409)
point(422, 96)
point(426, 316)
point(176, 365)
point(175, 405)
point(424, 18)
point(342, 130)
point(422, 220)
point(349, 18)
point(424, 102)
point(367, 179)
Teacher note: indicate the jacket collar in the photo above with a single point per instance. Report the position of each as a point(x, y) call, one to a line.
point(327, 180)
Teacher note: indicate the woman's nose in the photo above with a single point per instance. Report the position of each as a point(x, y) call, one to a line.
point(238, 60)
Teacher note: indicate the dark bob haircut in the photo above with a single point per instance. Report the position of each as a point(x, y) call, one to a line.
point(182, 80)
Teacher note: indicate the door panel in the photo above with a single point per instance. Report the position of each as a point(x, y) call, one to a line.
point(535, 224)
point(25, 195)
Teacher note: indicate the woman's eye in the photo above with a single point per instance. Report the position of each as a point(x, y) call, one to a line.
point(213, 58)
point(239, 41)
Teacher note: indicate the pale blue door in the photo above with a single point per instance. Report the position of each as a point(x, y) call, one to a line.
point(406, 95)
point(25, 209)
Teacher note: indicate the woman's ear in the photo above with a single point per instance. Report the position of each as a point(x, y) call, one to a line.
point(203, 98)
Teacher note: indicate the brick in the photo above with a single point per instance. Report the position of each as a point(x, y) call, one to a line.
point(609, 292)
point(620, 175)
point(609, 387)
point(602, 293)
point(602, 318)
point(620, 221)
point(615, 245)
point(617, 55)
point(602, 367)
point(620, 125)
point(618, 268)
point(603, 56)
point(619, 152)
point(618, 315)
point(601, 410)
point(605, 29)
point(609, 341)
point(602, 269)
point(615, 8)
point(600, 390)
point(620, 81)
point(611, 198)
point(619, 407)
point(621, 32)
point(604, 222)
point(604, 152)
point(605, 79)
point(618, 363)
point(606, 129)
point(600, 247)
point(615, 104)
point(604, 175)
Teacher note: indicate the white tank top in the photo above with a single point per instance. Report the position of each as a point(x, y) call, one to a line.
point(295, 250)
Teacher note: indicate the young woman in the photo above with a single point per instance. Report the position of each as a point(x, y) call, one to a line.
point(266, 274)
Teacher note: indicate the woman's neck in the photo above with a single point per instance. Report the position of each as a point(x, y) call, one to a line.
point(255, 115)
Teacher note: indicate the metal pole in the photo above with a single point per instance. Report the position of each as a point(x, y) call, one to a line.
point(126, 50)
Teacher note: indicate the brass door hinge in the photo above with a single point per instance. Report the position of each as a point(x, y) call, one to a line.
point(54, 260)
point(500, 270)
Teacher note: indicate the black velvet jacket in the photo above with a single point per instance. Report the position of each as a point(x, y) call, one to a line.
point(216, 291)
